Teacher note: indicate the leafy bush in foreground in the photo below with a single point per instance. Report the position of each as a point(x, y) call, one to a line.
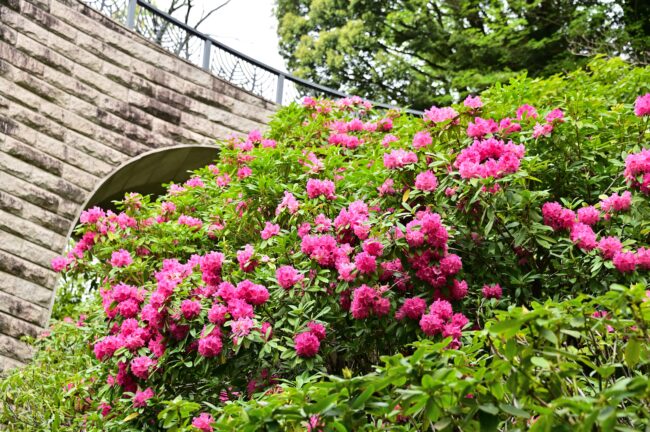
point(461, 250)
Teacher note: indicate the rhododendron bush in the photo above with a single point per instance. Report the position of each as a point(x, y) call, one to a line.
point(459, 249)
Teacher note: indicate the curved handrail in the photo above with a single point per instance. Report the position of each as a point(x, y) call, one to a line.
point(248, 76)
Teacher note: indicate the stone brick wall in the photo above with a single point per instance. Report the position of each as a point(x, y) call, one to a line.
point(79, 96)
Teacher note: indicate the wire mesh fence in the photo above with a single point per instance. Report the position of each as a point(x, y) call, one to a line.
point(226, 63)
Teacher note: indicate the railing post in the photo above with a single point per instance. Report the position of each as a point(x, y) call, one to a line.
point(207, 49)
point(130, 14)
point(280, 89)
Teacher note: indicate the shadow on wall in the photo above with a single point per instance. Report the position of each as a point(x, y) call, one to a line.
point(146, 173)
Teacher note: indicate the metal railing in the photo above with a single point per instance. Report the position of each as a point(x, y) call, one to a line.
point(221, 60)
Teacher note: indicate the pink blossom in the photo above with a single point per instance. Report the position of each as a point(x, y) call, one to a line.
point(386, 188)
point(190, 308)
point(203, 422)
point(557, 217)
point(625, 262)
point(59, 263)
point(583, 236)
point(388, 139)
point(481, 127)
point(489, 158)
point(458, 290)
point(190, 221)
point(492, 291)
point(451, 264)
point(431, 324)
point(242, 327)
point(426, 181)
point(637, 170)
point(195, 181)
point(506, 126)
point(442, 308)
point(373, 247)
point(526, 111)
point(269, 143)
point(270, 230)
point(317, 329)
point(542, 129)
point(306, 344)
point(422, 139)
point(399, 158)
point(367, 300)
point(140, 366)
point(412, 308)
point(239, 308)
point(104, 409)
point(287, 276)
point(244, 172)
point(141, 397)
point(121, 258)
point(255, 135)
point(244, 258)
point(643, 258)
point(609, 246)
point(365, 263)
point(91, 216)
point(588, 215)
point(473, 102)
point(289, 202)
point(555, 116)
point(322, 223)
point(616, 202)
point(210, 265)
point(316, 188)
point(642, 105)
point(217, 314)
point(439, 115)
point(252, 293)
point(210, 345)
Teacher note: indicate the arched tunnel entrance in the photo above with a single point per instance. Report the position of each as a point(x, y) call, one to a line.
point(146, 173)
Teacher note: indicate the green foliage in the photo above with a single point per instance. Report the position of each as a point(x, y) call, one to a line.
point(420, 52)
point(552, 368)
point(565, 346)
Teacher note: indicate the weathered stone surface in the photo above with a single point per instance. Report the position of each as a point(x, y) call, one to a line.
point(22, 310)
point(12, 347)
point(81, 95)
point(7, 363)
point(23, 289)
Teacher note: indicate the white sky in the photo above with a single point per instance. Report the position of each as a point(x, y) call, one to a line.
point(248, 26)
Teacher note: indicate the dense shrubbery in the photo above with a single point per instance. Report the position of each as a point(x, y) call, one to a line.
point(491, 257)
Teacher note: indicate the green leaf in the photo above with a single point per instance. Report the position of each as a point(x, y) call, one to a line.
point(513, 410)
point(541, 362)
point(632, 353)
point(363, 397)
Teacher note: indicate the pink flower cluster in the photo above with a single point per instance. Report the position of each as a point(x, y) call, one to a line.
point(270, 230)
point(422, 139)
point(399, 158)
point(582, 234)
point(439, 115)
point(441, 320)
point(121, 258)
point(642, 105)
point(426, 181)
point(203, 422)
point(637, 169)
point(489, 158)
point(308, 343)
point(287, 276)
point(367, 300)
point(316, 188)
point(616, 203)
